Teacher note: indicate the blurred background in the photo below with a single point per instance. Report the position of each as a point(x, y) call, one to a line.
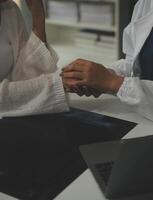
point(89, 29)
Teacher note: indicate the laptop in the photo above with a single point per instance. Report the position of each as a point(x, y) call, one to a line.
point(123, 169)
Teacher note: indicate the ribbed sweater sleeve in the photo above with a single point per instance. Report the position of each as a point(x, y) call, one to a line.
point(34, 59)
point(33, 86)
point(43, 94)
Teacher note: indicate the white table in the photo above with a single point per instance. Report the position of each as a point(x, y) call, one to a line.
point(6, 197)
point(85, 186)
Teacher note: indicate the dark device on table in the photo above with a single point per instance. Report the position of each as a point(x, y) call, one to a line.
point(124, 168)
point(40, 153)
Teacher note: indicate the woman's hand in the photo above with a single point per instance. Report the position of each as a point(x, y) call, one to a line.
point(92, 75)
point(81, 90)
point(38, 14)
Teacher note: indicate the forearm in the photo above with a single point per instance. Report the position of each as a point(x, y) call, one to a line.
point(43, 94)
point(39, 28)
point(38, 16)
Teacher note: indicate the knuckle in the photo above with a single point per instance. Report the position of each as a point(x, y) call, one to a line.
point(78, 60)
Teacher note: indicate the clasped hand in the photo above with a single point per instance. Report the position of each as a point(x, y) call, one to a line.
point(89, 78)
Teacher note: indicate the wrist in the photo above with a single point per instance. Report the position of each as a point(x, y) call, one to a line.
point(116, 83)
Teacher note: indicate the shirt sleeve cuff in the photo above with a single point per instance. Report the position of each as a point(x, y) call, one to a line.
point(129, 91)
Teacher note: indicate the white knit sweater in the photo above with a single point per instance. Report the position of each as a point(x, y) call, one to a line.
point(33, 86)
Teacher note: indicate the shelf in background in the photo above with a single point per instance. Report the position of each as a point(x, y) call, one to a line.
point(79, 25)
point(68, 53)
point(61, 29)
point(93, 1)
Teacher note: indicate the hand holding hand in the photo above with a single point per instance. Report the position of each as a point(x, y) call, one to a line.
point(92, 75)
point(81, 90)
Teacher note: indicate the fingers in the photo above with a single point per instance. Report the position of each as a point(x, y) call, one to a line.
point(78, 87)
point(71, 83)
point(86, 91)
point(73, 79)
point(77, 65)
point(77, 70)
point(79, 91)
point(81, 74)
point(95, 93)
point(76, 90)
point(72, 75)
point(73, 67)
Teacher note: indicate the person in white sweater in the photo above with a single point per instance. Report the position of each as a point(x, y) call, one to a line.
point(29, 79)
